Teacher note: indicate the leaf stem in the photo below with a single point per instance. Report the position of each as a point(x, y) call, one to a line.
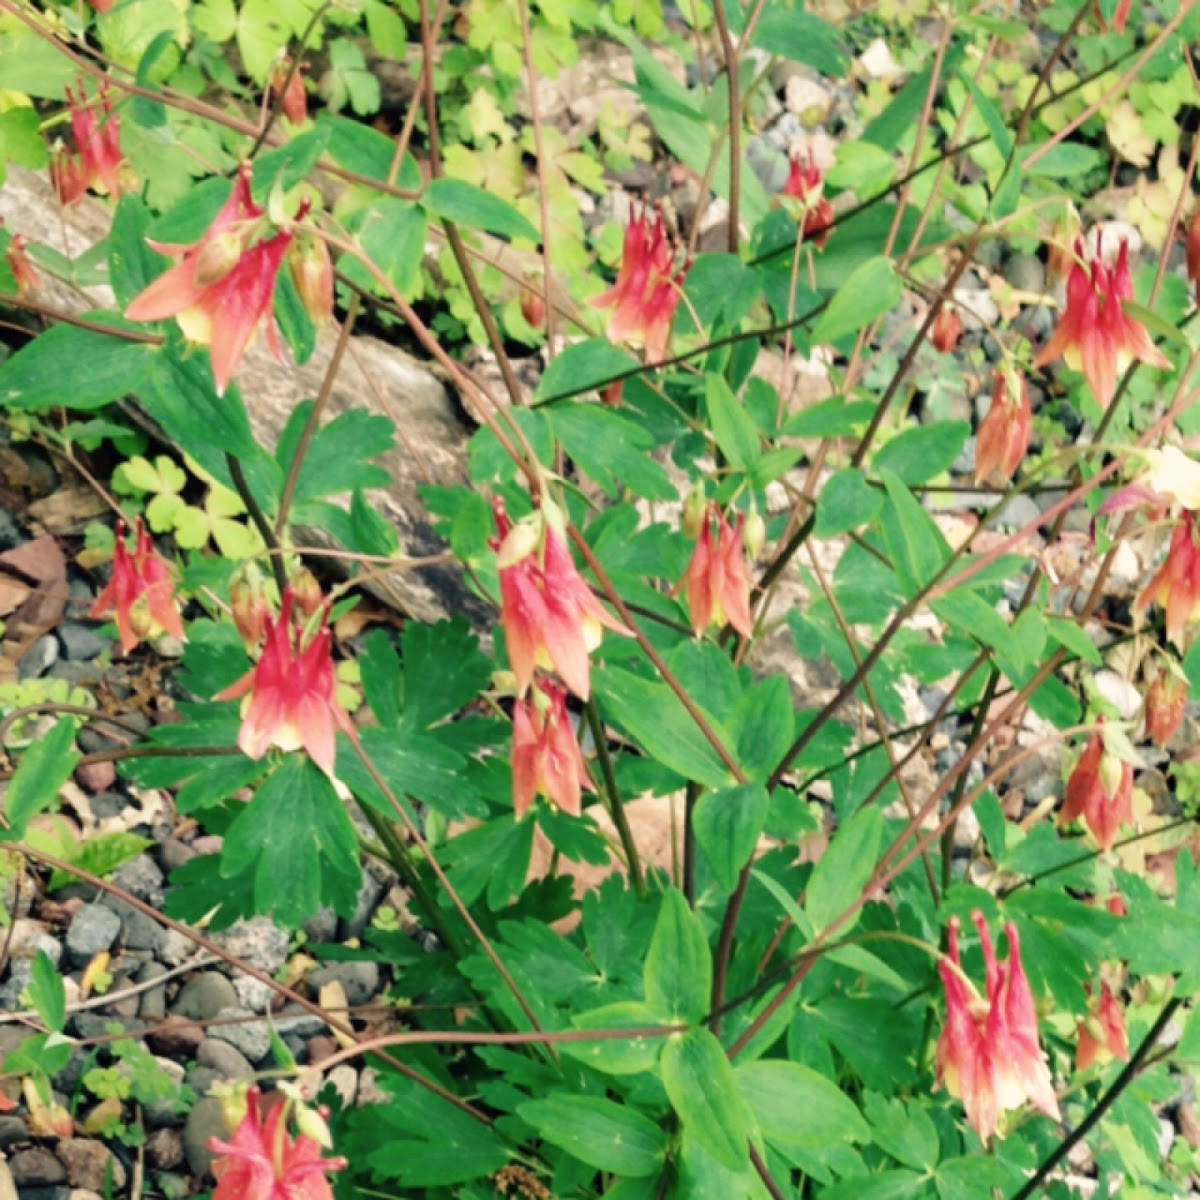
point(616, 806)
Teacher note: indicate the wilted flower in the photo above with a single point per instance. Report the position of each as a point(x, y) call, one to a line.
point(806, 183)
point(1166, 702)
point(550, 617)
point(718, 579)
point(1176, 584)
point(647, 290)
point(97, 161)
point(1095, 334)
point(141, 592)
point(291, 697)
point(19, 263)
point(1100, 792)
point(221, 290)
point(946, 330)
point(546, 759)
point(265, 1162)
point(287, 86)
point(1004, 433)
point(1102, 1035)
point(989, 1055)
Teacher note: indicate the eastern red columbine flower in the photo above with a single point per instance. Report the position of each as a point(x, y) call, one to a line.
point(141, 592)
point(291, 692)
point(221, 290)
point(806, 183)
point(546, 758)
point(550, 617)
point(1102, 1035)
point(1176, 584)
point(647, 291)
point(989, 1055)
point(1004, 433)
point(1166, 702)
point(1095, 334)
point(97, 161)
point(946, 330)
point(718, 579)
point(20, 264)
point(1099, 792)
point(264, 1161)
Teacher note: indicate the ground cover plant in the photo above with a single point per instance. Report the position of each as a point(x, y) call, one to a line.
point(599, 599)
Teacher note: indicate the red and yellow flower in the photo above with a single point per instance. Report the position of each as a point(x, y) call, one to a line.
point(1100, 792)
point(718, 580)
point(97, 162)
point(806, 183)
point(1166, 703)
point(1102, 1035)
point(222, 288)
point(546, 759)
point(1005, 432)
point(291, 693)
point(989, 1055)
point(141, 592)
point(1176, 584)
point(1096, 335)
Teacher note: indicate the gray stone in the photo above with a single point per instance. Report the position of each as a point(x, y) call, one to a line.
point(153, 1005)
point(91, 1164)
point(176, 948)
point(174, 853)
point(81, 643)
point(203, 996)
point(39, 658)
point(299, 1025)
point(1017, 513)
point(360, 980)
point(142, 878)
point(258, 941)
point(205, 1121)
point(364, 909)
point(141, 932)
point(1025, 272)
point(36, 1167)
point(95, 928)
point(12, 1131)
point(220, 1056)
point(252, 993)
point(106, 805)
point(168, 1109)
point(96, 1025)
point(244, 1032)
point(322, 927)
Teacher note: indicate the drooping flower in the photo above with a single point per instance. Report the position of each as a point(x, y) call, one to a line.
point(264, 1161)
point(287, 87)
point(1099, 792)
point(550, 617)
point(648, 290)
point(989, 1055)
point(1176, 584)
point(1166, 702)
point(97, 162)
point(718, 581)
point(249, 606)
point(20, 264)
point(1095, 334)
point(1005, 432)
point(946, 330)
point(546, 759)
point(221, 290)
point(141, 592)
point(1102, 1035)
point(291, 693)
point(806, 183)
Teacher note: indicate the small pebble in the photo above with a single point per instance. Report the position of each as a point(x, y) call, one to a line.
point(95, 928)
point(204, 996)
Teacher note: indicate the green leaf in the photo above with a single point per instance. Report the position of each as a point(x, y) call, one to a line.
point(100, 854)
point(916, 545)
point(886, 1185)
point(831, 418)
point(40, 774)
point(605, 1135)
point(79, 369)
point(678, 972)
point(289, 164)
point(655, 717)
point(444, 670)
point(846, 502)
point(21, 141)
point(613, 1056)
point(297, 841)
point(131, 263)
point(765, 721)
point(465, 204)
point(992, 119)
point(1064, 161)
point(262, 32)
point(392, 235)
point(862, 168)
point(872, 290)
point(904, 1130)
point(365, 151)
point(732, 425)
point(611, 449)
point(583, 367)
point(189, 220)
point(703, 1090)
point(338, 457)
point(918, 454)
point(842, 872)
point(350, 79)
point(803, 38)
point(797, 1107)
point(380, 669)
point(1071, 637)
point(47, 993)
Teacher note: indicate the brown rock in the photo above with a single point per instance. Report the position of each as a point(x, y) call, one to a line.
point(91, 1164)
point(96, 777)
point(36, 1167)
point(164, 1149)
point(321, 1046)
point(175, 1037)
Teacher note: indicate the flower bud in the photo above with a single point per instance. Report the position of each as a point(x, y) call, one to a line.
point(1165, 704)
point(1111, 773)
point(307, 591)
point(946, 330)
point(1193, 251)
point(22, 268)
point(232, 1097)
point(519, 543)
point(293, 100)
point(533, 306)
point(312, 273)
point(754, 536)
point(1116, 905)
point(611, 395)
point(1004, 433)
point(695, 512)
point(218, 257)
point(250, 607)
